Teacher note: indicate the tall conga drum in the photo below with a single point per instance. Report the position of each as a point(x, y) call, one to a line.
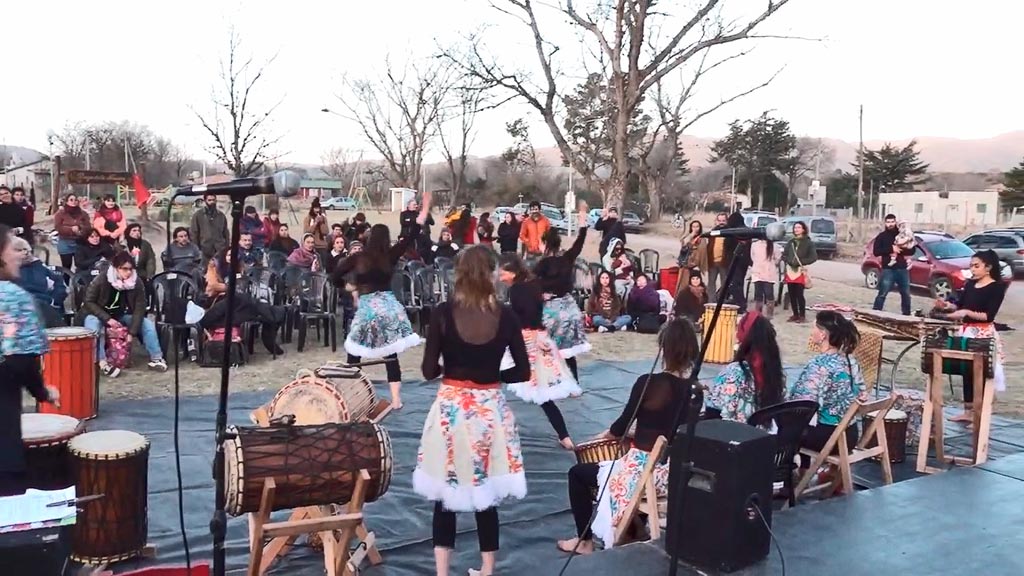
point(70, 367)
point(46, 437)
point(721, 347)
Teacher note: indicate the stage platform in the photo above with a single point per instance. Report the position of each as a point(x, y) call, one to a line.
point(961, 518)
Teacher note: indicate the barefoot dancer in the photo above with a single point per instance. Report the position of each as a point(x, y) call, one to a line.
point(550, 378)
point(470, 458)
point(380, 328)
point(556, 273)
point(665, 393)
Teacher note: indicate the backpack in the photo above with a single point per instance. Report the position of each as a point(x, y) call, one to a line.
point(118, 348)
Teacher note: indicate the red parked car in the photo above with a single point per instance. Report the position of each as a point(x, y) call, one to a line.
point(940, 264)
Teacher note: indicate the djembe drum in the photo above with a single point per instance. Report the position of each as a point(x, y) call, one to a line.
point(722, 346)
point(338, 395)
point(597, 451)
point(46, 438)
point(70, 367)
point(114, 463)
point(895, 433)
point(310, 465)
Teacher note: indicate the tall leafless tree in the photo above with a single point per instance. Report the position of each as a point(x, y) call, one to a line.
point(808, 154)
point(456, 134)
point(399, 112)
point(239, 126)
point(640, 42)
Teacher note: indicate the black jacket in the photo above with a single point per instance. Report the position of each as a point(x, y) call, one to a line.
point(883, 249)
point(610, 228)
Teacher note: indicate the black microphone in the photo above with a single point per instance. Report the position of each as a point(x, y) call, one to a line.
point(284, 184)
point(774, 232)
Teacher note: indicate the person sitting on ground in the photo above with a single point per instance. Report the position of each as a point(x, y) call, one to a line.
point(44, 285)
point(306, 257)
point(337, 253)
point(833, 379)
point(118, 296)
point(690, 299)
point(605, 307)
point(754, 379)
point(644, 306)
point(181, 254)
point(92, 250)
point(141, 250)
point(655, 400)
point(283, 243)
point(618, 263)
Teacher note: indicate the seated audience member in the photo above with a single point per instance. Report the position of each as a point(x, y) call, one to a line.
point(44, 285)
point(655, 401)
point(357, 229)
point(337, 253)
point(246, 309)
point(644, 306)
point(605, 307)
point(445, 247)
point(692, 297)
point(618, 263)
point(755, 379)
point(833, 378)
point(141, 250)
point(306, 256)
point(92, 250)
point(253, 225)
point(283, 243)
point(181, 254)
point(118, 296)
point(248, 254)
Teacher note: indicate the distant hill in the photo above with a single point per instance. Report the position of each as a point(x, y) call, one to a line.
point(19, 154)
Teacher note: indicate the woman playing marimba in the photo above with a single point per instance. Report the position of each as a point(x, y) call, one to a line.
point(659, 397)
point(977, 306)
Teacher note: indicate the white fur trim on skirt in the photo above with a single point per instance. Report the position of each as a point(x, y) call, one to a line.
point(473, 498)
point(397, 347)
point(602, 526)
point(576, 350)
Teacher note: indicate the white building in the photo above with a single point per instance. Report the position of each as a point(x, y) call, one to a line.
point(27, 175)
point(955, 207)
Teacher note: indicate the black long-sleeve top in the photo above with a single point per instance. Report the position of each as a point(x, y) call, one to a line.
point(882, 247)
point(508, 236)
point(987, 299)
point(472, 343)
point(373, 272)
point(665, 394)
point(410, 227)
point(18, 371)
point(527, 302)
point(557, 273)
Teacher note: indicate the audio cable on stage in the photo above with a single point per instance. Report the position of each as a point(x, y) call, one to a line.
point(782, 557)
point(175, 336)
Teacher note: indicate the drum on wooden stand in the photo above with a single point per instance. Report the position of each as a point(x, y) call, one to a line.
point(331, 394)
point(70, 367)
point(114, 463)
point(46, 438)
point(310, 465)
point(596, 451)
point(895, 433)
point(721, 347)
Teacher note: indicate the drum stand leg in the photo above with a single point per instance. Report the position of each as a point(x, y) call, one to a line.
point(932, 421)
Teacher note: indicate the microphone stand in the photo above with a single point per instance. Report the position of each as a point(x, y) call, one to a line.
point(692, 411)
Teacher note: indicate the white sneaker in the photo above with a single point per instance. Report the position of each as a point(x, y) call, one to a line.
point(602, 329)
point(158, 365)
point(109, 371)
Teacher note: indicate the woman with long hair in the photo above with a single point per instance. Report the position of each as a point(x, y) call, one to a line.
point(798, 254)
point(764, 271)
point(508, 234)
point(550, 378)
point(655, 400)
point(316, 226)
point(832, 378)
point(755, 378)
point(246, 309)
point(470, 457)
point(92, 250)
point(109, 221)
point(976, 307)
point(693, 253)
point(141, 250)
point(306, 256)
point(485, 229)
point(691, 298)
point(557, 275)
point(605, 306)
point(23, 342)
point(70, 222)
point(380, 328)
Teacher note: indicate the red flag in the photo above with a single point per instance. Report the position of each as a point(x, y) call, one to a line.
point(141, 192)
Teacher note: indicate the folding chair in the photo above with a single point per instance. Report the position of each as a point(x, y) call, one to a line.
point(845, 456)
point(790, 420)
point(646, 497)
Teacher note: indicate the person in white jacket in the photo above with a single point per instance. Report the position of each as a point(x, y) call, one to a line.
point(617, 262)
point(764, 272)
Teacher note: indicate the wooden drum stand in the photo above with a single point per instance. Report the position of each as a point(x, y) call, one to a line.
point(932, 422)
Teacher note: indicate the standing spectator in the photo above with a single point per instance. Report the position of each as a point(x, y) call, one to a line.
point(532, 231)
point(485, 229)
point(894, 266)
point(508, 234)
point(764, 271)
point(209, 229)
point(693, 253)
point(12, 215)
point(252, 225)
point(70, 222)
point(271, 224)
point(109, 221)
point(141, 250)
point(464, 229)
point(316, 226)
point(718, 258)
point(18, 194)
point(798, 254)
point(610, 227)
point(736, 249)
point(181, 254)
point(605, 307)
point(92, 250)
point(410, 228)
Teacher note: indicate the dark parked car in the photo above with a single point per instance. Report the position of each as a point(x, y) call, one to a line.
point(822, 230)
point(1008, 245)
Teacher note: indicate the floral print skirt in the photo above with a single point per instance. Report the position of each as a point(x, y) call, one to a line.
point(624, 483)
point(988, 331)
point(470, 457)
point(550, 377)
point(380, 327)
point(564, 322)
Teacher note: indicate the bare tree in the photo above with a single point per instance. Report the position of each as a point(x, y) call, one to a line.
point(456, 135)
point(340, 164)
point(399, 112)
point(629, 37)
point(240, 128)
point(809, 154)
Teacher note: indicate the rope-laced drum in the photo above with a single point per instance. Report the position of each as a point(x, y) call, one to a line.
point(46, 438)
point(330, 394)
point(597, 451)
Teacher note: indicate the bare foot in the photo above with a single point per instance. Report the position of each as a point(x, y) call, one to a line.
point(567, 443)
point(581, 547)
point(962, 417)
point(396, 404)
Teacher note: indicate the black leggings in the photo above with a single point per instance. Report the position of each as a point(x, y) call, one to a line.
point(393, 368)
point(815, 438)
point(968, 379)
point(486, 528)
point(571, 363)
point(66, 260)
point(582, 483)
point(797, 302)
point(555, 418)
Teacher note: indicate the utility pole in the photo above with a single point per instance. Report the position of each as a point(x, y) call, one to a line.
point(860, 178)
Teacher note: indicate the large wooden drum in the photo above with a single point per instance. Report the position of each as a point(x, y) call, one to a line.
point(46, 438)
point(70, 367)
point(331, 394)
point(310, 465)
point(895, 424)
point(722, 346)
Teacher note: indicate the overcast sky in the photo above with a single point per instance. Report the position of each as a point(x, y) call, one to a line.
point(919, 67)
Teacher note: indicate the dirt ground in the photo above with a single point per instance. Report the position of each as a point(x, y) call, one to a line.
point(263, 373)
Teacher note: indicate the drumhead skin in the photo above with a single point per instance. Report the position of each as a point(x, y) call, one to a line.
point(69, 332)
point(106, 443)
point(892, 414)
point(36, 427)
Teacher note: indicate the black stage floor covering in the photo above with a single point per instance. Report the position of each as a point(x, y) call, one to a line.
point(970, 512)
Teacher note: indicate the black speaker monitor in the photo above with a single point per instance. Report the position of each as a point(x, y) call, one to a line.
point(718, 528)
